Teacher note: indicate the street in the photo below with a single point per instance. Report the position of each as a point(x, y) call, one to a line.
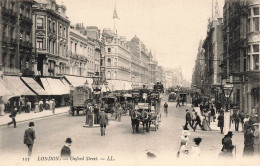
point(119, 143)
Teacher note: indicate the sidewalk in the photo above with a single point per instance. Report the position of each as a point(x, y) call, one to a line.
point(214, 125)
point(32, 116)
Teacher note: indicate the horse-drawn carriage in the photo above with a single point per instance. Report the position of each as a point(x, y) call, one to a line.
point(109, 103)
point(146, 115)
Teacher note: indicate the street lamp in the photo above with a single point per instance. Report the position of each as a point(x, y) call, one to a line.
point(227, 90)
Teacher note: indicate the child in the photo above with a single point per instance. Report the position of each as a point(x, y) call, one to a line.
point(195, 150)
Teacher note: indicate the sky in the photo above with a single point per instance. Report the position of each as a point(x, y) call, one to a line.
point(171, 29)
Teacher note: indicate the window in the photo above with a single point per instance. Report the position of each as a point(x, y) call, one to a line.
point(54, 27)
point(249, 49)
point(256, 11)
point(64, 32)
point(39, 43)
point(21, 9)
point(249, 12)
point(51, 68)
point(248, 63)
point(60, 32)
point(109, 40)
point(256, 24)
point(49, 25)
point(75, 47)
point(108, 75)
point(39, 23)
point(256, 62)
point(109, 50)
point(108, 62)
point(115, 62)
point(54, 46)
point(115, 74)
point(49, 46)
point(12, 33)
point(248, 25)
point(256, 48)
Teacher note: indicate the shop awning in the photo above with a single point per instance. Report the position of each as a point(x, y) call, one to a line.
point(54, 86)
point(4, 91)
point(66, 84)
point(78, 81)
point(127, 85)
point(16, 85)
point(34, 86)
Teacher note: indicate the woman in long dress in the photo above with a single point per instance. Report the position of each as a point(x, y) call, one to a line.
point(182, 149)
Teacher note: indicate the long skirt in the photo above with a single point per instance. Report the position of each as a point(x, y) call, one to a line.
point(248, 150)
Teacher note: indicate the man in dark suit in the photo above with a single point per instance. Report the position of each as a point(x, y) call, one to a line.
point(13, 114)
point(29, 136)
point(65, 151)
point(103, 121)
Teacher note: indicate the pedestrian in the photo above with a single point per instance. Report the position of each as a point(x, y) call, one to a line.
point(29, 105)
point(2, 107)
point(119, 113)
point(96, 114)
point(13, 115)
point(228, 147)
point(91, 116)
point(212, 114)
point(248, 142)
point(103, 121)
point(41, 105)
point(198, 122)
point(193, 116)
point(20, 105)
point(188, 120)
point(183, 143)
point(65, 151)
point(242, 117)
point(178, 102)
point(195, 150)
point(236, 119)
point(29, 137)
point(256, 140)
point(221, 121)
point(165, 108)
point(53, 106)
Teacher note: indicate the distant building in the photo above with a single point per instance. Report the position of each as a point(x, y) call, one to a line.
point(118, 60)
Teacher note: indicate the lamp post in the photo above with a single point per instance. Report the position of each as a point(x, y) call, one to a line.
point(227, 91)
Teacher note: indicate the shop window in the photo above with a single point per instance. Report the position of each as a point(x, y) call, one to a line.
point(256, 62)
point(108, 62)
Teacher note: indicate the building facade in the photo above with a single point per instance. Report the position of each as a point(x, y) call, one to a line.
point(213, 46)
point(50, 38)
point(16, 39)
point(117, 60)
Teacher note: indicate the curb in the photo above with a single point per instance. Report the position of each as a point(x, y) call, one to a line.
point(36, 118)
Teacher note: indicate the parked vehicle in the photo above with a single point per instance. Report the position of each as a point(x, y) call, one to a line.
point(172, 96)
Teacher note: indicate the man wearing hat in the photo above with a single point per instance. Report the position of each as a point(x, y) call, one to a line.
point(248, 142)
point(103, 121)
point(29, 136)
point(65, 151)
point(227, 145)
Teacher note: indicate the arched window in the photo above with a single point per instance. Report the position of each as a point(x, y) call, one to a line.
point(108, 62)
point(108, 75)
